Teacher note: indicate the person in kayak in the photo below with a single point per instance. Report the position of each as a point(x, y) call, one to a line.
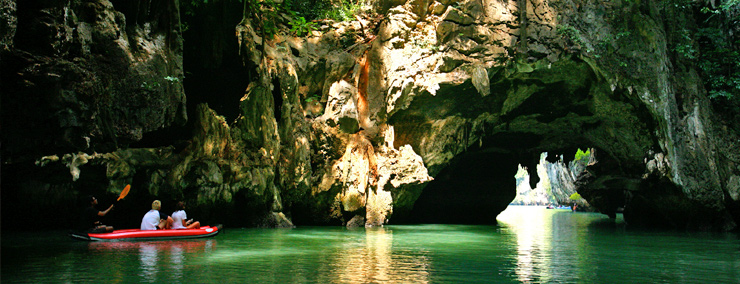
point(181, 218)
point(153, 220)
point(91, 217)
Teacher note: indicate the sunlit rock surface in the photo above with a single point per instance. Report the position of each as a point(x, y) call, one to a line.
point(418, 112)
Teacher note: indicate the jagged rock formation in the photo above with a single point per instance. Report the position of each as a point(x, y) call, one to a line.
point(509, 80)
point(557, 183)
point(563, 179)
point(82, 76)
point(430, 112)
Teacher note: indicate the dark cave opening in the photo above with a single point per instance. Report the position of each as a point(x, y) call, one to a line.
point(473, 189)
point(481, 182)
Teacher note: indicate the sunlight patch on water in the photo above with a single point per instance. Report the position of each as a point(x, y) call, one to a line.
point(546, 245)
point(235, 255)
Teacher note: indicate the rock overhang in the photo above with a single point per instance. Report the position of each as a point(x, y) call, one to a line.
point(528, 108)
point(469, 79)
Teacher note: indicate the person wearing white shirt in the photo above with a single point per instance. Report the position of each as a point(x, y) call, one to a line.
point(180, 218)
point(154, 221)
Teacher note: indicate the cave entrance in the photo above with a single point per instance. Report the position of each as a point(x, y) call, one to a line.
point(479, 184)
point(554, 184)
point(539, 194)
point(471, 190)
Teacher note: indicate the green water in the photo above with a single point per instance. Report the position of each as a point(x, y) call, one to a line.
point(531, 245)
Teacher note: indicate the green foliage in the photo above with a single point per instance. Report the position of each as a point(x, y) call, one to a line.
point(299, 26)
point(622, 34)
point(269, 14)
point(343, 10)
point(685, 47)
point(681, 4)
point(311, 10)
point(313, 98)
point(719, 59)
point(575, 196)
point(150, 86)
point(570, 33)
point(728, 6)
point(582, 157)
point(609, 49)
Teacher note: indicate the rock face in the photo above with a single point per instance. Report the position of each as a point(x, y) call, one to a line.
point(563, 179)
point(85, 76)
point(82, 76)
point(423, 119)
point(557, 184)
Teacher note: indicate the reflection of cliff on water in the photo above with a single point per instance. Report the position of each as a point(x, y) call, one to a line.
point(322, 255)
point(158, 261)
point(373, 260)
point(549, 243)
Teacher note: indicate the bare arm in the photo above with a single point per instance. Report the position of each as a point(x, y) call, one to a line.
point(102, 213)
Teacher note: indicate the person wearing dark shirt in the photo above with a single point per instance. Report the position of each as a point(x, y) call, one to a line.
point(92, 216)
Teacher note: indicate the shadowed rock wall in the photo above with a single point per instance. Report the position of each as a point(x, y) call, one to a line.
point(81, 77)
point(428, 101)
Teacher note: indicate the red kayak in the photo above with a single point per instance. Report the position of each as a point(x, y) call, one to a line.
point(147, 235)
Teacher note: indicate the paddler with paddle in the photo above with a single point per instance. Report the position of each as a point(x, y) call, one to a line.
point(92, 215)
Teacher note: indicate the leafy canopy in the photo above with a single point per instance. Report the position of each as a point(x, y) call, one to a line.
point(719, 58)
point(269, 13)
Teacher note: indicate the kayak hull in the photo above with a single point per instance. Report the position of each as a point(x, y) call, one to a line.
point(148, 235)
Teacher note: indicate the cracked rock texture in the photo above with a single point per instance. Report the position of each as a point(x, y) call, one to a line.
point(424, 119)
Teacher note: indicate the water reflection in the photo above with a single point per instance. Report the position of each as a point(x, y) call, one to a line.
point(530, 246)
point(158, 261)
point(373, 260)
point(547, 243)
point(322, 255)
point(148, 258)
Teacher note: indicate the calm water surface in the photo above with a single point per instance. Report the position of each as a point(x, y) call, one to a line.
point(531, 245)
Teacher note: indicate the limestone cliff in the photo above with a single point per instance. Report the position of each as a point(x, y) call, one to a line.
point(81, 77)
point(505, 81)
point(417, 111)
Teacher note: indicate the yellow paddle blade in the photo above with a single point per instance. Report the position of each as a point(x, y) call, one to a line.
point(124, 192)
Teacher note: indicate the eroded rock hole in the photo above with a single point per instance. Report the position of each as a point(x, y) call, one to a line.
point(477, 185)
point(556, 181)
point(473, 189)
